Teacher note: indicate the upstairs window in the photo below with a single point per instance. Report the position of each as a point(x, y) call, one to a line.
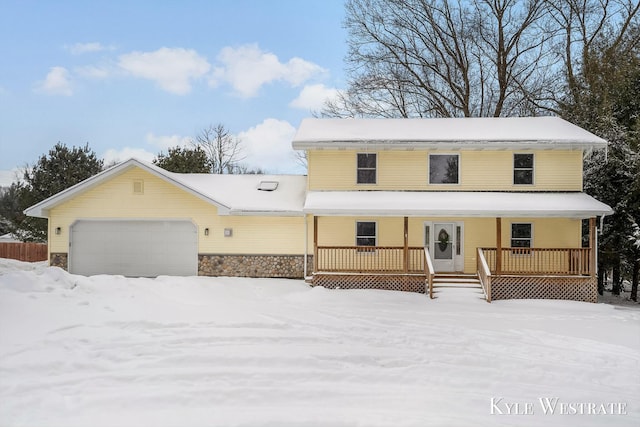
point(521, 235)
point(367, 163)
point(366, 233)
point(523, 169)
point(444, 169)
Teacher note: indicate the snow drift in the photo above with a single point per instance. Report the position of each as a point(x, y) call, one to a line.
point(109, 350)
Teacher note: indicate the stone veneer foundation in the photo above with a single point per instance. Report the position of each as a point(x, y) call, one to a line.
point(281, 266)
point(59, 259)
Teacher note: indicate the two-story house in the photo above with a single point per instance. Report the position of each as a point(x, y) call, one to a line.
point(395, 201)
point(387, 203)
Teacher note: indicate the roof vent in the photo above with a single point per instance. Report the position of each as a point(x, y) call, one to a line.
point(267, 185)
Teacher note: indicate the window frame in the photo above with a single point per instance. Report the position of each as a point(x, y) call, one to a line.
point(532, 168)
point(366, 248)
point(374, 168)
point(521, 250)
point(443, 154)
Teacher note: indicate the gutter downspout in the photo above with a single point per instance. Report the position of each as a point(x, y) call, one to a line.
point(596, 245)
point(306, 244)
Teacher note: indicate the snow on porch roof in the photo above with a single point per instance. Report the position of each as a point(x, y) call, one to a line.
point(454, 204)
point(480, 132)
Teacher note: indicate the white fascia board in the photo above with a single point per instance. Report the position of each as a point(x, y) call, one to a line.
point(455, 214)
point(248, 212)
point(449, 145)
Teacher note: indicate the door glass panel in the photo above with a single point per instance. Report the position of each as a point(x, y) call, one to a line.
point(443, 241)
point(427, 235)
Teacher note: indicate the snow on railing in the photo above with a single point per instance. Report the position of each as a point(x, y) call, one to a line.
point(484, 274)
point(429, 271)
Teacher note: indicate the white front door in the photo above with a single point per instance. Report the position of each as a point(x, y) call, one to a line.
point(443, 246)
point(444, 240)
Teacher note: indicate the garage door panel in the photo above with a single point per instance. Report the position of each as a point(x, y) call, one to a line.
point(134, 247)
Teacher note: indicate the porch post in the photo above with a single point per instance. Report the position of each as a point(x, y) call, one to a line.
point(498, 246)
point(315, 244)
point(406, 245)
point(592, 247)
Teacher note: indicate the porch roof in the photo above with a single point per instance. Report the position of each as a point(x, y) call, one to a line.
point(454, 204)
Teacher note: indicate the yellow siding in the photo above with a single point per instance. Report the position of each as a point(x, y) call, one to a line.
point(161, 200)
point(341, 231)
point(554, 170)
point(559, 170)
point(405, 170)
point(547, 232)
point(331, 170)
point(478, 233)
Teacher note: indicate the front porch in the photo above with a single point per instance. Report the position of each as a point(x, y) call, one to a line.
point(504, 272)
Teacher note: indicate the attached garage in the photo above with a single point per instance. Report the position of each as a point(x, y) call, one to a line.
point(139, 248)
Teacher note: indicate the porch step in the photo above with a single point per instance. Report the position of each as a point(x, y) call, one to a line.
point(456, 281)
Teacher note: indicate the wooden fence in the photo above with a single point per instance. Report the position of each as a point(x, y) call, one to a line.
point(30, 252)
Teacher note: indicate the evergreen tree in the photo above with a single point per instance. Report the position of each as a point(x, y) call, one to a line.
point(60, 169)
point(604, 100)
point(184, 160)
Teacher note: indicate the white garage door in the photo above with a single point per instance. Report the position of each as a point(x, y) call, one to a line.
point(145, 248)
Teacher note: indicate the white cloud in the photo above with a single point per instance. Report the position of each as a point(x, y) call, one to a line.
point(80, 48)
point(247, 68)
point(313, 97)
point(164, 142)
point(56, 82)
point(268, 146)
point(173, 69)
point(116, 156)
point(93, 72)
point(7, 177)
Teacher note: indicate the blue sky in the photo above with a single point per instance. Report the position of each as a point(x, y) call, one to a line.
point(132, 78)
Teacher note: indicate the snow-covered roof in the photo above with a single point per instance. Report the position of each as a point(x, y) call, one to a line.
point(250, 194)
point(8, 238)
point(231, 194)
point(454, 204)
point(446, 133)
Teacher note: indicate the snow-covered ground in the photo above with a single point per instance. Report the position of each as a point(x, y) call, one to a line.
point(109, 351)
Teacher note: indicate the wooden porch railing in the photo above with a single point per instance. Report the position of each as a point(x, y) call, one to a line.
point(484, 274)
point(528, 261)
point(370, 259)
point(429, 271)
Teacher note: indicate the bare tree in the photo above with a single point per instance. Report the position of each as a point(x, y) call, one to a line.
point(582, 27)
point(424, 58)
point(223, 150)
